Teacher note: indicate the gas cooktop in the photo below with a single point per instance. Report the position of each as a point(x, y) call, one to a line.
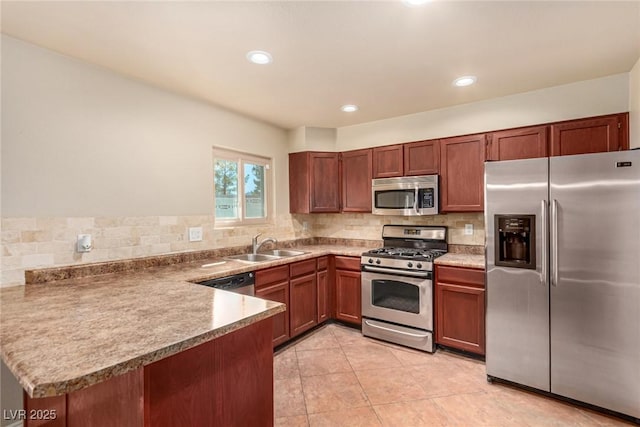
point(406, 253)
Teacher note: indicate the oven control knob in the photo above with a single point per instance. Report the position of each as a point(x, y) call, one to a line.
point(377, 261)
point(370, 261)
point(419, 265)
point(410, 265)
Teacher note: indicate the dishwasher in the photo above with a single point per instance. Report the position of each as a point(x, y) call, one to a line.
point(243, 283)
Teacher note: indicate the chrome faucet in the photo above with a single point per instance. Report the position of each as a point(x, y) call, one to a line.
point(255, 247)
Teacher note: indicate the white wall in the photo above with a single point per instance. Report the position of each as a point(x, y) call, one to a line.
point(634, 106)
point(307, 138)
point(582, 99)
point(79, 140)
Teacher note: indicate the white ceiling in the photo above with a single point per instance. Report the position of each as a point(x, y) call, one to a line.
point(385, 57)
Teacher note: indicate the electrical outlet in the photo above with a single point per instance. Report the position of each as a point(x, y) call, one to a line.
point(195, 234)
point(84, 243)
point(468, 229)
point(305, 226)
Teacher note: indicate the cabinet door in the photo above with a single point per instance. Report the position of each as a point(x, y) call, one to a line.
point(460, 308)
point(323, 295)
point(388, 161)
point(522, 143)
point(299, 196)
point(460, 317)
point(591, 135)
point(304, 304)
point(278, 292)
point(462, 173)
point(356, 175)
point(348, 296)
point(325, 180)
point(422, 158)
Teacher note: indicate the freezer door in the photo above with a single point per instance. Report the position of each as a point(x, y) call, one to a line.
point(518, 298)
point(595, 292)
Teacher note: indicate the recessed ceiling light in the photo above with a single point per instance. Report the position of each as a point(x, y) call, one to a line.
point(259, 57)
point(464, 81)
point(349, 108)
point(412, 3)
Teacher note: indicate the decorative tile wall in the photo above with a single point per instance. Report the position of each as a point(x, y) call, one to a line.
point(45, 242)
point(368, 226)
point(29, 243)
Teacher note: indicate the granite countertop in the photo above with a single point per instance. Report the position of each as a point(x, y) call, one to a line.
point(61, 336)
point(461, 260)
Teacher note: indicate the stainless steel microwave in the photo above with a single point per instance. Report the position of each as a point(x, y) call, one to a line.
point(407, 195)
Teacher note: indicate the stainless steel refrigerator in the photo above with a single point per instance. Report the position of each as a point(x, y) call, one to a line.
point(563, 276)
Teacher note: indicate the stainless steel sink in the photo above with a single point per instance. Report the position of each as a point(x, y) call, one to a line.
point(253, 257)
point(284, 253)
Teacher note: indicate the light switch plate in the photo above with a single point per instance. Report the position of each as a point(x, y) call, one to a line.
point(468, 229)
point(195, 234)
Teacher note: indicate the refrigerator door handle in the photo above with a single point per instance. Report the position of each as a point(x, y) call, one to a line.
point(554, 242)
point(544, 220)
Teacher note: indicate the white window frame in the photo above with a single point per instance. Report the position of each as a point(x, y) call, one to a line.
point(241, 158)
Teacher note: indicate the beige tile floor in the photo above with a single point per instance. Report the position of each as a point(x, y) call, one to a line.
point(336, 377)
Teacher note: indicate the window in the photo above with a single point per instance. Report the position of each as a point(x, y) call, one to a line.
point(240, 187)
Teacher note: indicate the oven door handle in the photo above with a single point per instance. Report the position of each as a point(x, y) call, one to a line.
point(396, 331)
point(420, 274)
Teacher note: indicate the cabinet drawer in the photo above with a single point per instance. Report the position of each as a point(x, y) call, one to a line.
point(303, 267)
point(347, 263)
point(323, 261)
point(272, 275)
point(460, 275)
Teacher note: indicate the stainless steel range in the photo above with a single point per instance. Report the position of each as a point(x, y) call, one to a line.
point(397, 286)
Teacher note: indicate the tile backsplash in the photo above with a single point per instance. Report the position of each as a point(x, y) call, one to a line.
point(29, 242)
point(368, 226)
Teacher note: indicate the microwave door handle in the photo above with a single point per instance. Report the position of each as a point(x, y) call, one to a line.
point(415, 202)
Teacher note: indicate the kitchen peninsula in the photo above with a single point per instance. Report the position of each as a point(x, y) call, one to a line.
point(138, 348)
point(137, 342)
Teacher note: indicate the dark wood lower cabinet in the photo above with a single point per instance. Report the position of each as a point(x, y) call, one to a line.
point(224, 382)
point(278, 292)
point(273, 284)
point(323, 295)
point(460, 302)
point(348, 289)
point(304, 303)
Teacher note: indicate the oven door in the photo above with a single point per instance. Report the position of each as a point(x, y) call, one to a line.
point(398, 299)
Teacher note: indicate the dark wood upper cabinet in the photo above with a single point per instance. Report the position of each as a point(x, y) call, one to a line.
point(422, 158)
point(314, 182)
point(462, 173)
point(388, 161)
point(521, 143)
point(590, 135)
point(356, 171)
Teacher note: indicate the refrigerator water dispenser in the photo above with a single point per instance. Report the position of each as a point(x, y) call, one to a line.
point(515, 241)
